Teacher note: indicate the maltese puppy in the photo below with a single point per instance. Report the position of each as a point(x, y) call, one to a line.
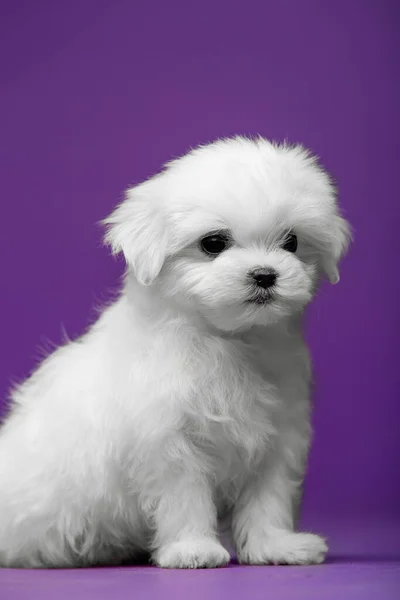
point(187, 403)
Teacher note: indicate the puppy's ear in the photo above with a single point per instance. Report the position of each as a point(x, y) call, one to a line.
point(137, 228)
point(340, 237)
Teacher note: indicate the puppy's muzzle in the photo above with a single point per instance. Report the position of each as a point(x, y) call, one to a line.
point(262, 283)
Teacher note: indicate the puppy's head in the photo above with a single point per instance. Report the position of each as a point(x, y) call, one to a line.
point(239, 231)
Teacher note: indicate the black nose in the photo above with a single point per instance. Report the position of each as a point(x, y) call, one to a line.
point(264, 278)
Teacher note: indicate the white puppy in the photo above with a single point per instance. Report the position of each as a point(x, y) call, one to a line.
point(188, 400)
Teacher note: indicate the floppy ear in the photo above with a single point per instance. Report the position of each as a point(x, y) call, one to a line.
point(340, 237)
point(137, 227)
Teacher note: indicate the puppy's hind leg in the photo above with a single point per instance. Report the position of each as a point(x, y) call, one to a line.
point(42, 507)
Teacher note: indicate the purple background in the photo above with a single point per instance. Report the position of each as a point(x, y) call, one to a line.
point(96, 95)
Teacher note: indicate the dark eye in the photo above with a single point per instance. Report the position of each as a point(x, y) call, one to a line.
point(214, 244)
point(290, 243)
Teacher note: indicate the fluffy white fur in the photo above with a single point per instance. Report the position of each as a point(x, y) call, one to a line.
point(184, 404)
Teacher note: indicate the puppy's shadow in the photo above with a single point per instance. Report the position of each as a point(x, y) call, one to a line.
point(341, 559)
point(139, 560)
point(144, 560)
point(350, 559)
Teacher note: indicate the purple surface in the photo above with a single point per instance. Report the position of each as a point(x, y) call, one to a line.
point(93, 97)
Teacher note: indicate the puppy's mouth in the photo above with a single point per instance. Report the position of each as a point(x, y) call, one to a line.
point(261, 299)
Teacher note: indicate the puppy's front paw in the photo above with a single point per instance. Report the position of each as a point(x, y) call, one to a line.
point(192, 554)
point(287, 548)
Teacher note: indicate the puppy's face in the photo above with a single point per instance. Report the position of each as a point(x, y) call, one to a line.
point(238, 231)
